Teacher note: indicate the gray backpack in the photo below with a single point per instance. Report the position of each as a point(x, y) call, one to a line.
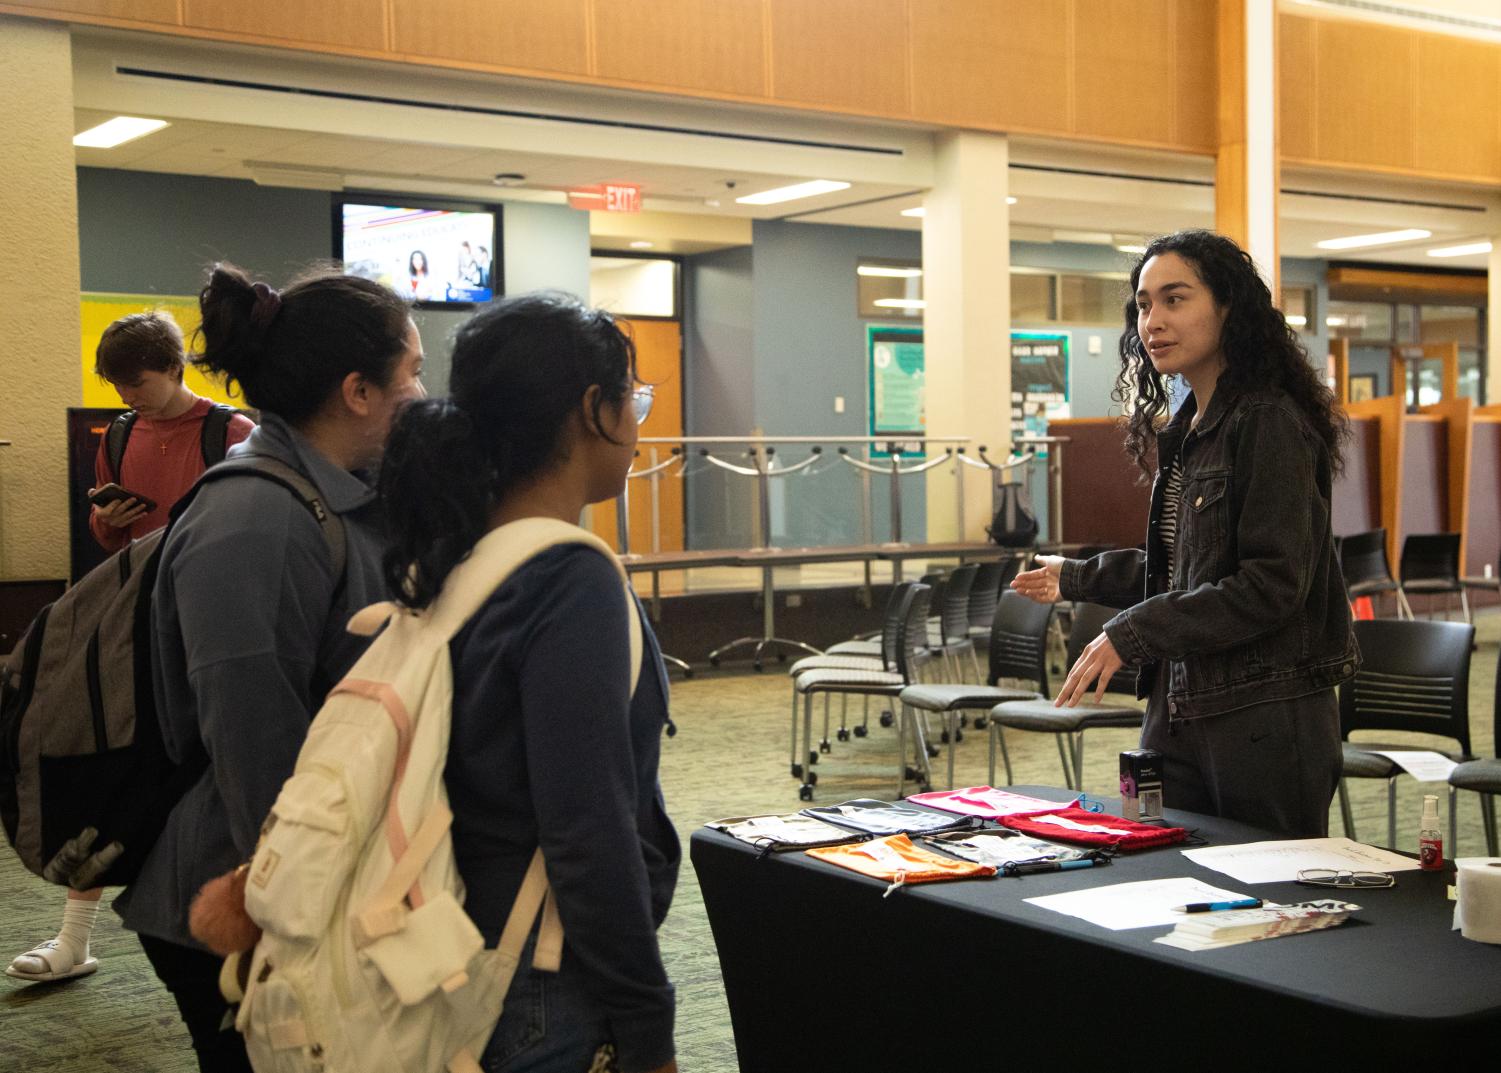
point(85, 781)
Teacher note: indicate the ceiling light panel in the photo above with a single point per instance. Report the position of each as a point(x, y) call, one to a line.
point(1380, 238)
point(117, 131)
point(891, 271)
point(1461, 251)
point(793, 193)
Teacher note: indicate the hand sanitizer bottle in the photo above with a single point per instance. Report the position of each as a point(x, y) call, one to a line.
point(1430, 839)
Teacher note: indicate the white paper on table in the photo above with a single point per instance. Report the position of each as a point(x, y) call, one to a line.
point(1422, 764)
point(1146, 904)
point(1280, 862)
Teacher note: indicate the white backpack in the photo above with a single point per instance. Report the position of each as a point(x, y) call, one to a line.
point(368, 962)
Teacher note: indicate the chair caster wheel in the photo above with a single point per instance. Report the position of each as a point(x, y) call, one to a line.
point(812, 757)
point(781, 657)
point(910, 773)
point(958, 735)
point(842, 734)
point(713, 661)
point(797, 771)
point(887, 719)
point(805, 792)
point(963, 720)
point(688, 672)
point(825, 747)
point(932, 751)
point(757, 665)
point(861, 731)
point(981, 722)
point(943, 736)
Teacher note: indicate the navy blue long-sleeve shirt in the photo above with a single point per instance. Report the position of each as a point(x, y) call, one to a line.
point(549, 748)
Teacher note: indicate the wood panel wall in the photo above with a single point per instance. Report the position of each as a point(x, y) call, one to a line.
point(1070, 68)
point(1378, 98)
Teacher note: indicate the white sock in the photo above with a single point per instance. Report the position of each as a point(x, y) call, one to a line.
point(78, 926)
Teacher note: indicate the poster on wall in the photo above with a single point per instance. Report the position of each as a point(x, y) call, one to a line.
point(1039, 381)
point(896, 387)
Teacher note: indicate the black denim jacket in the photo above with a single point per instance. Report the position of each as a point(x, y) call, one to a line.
point(1256, 610)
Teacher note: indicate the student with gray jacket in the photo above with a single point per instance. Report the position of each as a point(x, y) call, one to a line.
point(248, 612)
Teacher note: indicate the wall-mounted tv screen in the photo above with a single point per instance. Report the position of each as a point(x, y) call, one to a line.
point(438, 256)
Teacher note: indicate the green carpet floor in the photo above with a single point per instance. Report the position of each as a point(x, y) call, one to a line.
point(729, 758)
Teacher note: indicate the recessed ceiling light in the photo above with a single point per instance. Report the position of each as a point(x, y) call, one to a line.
point(117, 131)
point(1461, 251)
point(888, 270)
point(1131, 248)
point(1336, 322)
point(792, 193)
point(1297, 320)
point(918, 212)
point(1011, 201)
point(641, 244)
point(1380, 238)
point(900, 303)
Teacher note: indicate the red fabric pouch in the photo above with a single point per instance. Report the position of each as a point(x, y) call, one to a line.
point(1083, 828)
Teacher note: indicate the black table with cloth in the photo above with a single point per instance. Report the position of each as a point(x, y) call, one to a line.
point(823, 973)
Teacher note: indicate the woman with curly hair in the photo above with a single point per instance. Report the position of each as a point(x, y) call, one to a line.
point(1235, 614)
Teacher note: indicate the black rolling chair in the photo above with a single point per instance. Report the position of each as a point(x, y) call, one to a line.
point(876, 655)
point(1018, 642)
point(1367, 570)
point(1484, 778)
point(949, 636)
point(1430, 567)
point(990, 581)
point(1415, 678)
point(909, 652)
point(1068, 724)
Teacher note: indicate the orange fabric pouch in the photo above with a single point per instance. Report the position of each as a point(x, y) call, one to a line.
point(897, 861)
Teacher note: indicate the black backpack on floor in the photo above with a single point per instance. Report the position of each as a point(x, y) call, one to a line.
point(1014, 525)
point(85, 781)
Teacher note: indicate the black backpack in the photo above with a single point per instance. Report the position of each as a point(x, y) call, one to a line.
point(1013, 525)
point(85, 781)
point(213, 442)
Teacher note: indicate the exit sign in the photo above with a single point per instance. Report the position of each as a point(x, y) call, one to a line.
point(606, 197)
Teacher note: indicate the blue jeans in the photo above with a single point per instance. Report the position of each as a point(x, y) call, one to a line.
point(549, 1024)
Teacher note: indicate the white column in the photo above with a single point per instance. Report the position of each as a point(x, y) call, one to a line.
point(39, 318)
point(966, 247)
point(1263, 169)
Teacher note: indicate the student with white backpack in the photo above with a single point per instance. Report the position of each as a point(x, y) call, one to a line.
point(552, 746)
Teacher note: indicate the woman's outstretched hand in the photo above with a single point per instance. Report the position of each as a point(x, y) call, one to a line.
point(1041, 584)
point(1097, 663)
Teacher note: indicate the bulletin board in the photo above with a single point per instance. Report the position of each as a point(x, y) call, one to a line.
point(101, 310)
point(897, 387)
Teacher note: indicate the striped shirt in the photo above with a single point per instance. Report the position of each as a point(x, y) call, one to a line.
point(1172, 495)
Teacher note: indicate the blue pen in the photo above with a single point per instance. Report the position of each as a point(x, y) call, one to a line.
point(1215, 907)
point(1037, 867)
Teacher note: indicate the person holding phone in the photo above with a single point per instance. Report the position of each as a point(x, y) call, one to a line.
point(1235, 614)
point(142, 357)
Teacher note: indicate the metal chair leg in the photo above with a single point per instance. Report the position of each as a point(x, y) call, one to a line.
point(951, 723)
point(901, 757)
point(923, 767)
point(1344, 811)
point(1488, 818)
point(1403, 605)
point(1079, 761)
point(1068, 776)
point(1453, 847)
point(1000, 733)
point(974, 661)
point(793, 743)
point(1464, 603)
point(805, 792)
point(1391, 813)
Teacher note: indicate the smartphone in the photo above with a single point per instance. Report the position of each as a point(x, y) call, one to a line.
point(106, 494)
